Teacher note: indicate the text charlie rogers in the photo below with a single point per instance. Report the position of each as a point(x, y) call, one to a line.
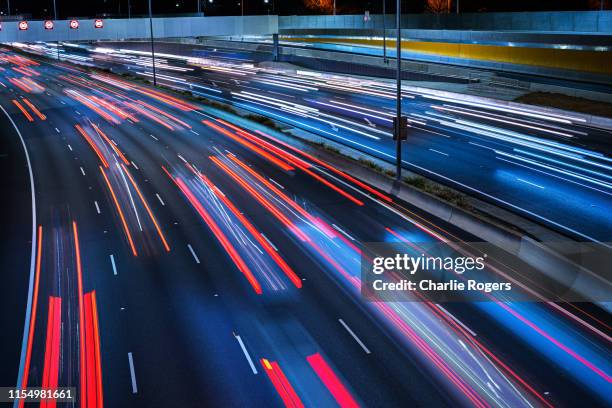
point(405, 263)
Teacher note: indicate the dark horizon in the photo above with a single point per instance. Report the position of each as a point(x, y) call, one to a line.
point(66, 9)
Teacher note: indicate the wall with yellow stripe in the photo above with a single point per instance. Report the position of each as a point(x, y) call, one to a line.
point(576, 60)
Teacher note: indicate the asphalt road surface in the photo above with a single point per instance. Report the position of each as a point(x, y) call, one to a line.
point(541, 166)
point(183, 260)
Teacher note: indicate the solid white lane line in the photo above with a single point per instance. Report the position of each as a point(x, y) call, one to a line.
point(112, 259)
point(127, 187)
point(269, 242)
point(357, 339)
point(343, 231)
point(97, 207)
point(160, 199)
point(154, 137)
point(193, 253)
point(277, 184)
point(132, 373)
point(530, 183)
point(194, 132)
point(459, 322)
point(439, 152)
point(26, 326)
point(246, 354)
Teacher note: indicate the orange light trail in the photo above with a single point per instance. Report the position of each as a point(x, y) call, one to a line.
point(25, 112)
point(262, 200)
point(225, 243)
point(166, 114)
point(249, 145)
point(150, 115)
point(238, 261)
point(282, 218)
point(92, 144)
point(34, 109)
point(329, 167)
point(247, 224)
point(299, 163)
point(327, 229)
point(146, 205)
point(123, 221)
point(20, 85)
point(32, 84)
point(77, 96)
point(119, 112)
point(111, 144)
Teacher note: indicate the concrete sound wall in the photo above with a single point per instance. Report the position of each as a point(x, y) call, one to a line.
point(118, 29)
point(575, 21)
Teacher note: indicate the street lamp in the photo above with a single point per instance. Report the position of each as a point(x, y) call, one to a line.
point(55, 18)
point(384, 12)
point(152, 44)
point(400, 123)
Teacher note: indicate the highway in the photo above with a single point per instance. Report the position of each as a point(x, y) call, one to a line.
point(541, 166)
point(179, 258)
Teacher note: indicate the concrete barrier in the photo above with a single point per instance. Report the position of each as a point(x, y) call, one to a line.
point(561, 21)
point(119, 29)
point(588, 61)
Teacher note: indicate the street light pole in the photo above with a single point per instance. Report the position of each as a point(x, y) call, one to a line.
point(334, 7)
point(55, 18)
point(384, 12)
point(152, 44)
point(130, 9)
point(8, 7)
point(398, 127)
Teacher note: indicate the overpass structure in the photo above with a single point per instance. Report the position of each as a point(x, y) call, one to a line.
point(569, 45)
point(136, 28)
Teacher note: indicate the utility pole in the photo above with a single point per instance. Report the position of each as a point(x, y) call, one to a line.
point(8, 7)
point(55, 18)
point(335, 7)
point(199, 7)
point(130, 9)
point(152, 44)
point(457, 5)
point(384, 10)
point(399, 126)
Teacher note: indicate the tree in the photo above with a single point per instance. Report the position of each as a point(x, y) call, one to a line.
point(599, 5)
point(322, 6)
point(438, 6)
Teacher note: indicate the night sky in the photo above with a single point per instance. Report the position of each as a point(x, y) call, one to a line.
point(89, 8)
